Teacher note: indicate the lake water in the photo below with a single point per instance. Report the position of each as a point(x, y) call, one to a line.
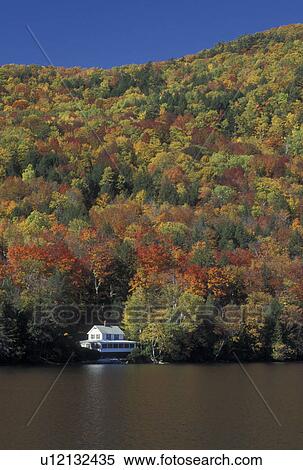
point(152, 407)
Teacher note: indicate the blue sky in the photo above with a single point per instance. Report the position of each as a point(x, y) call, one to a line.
point(105, 33)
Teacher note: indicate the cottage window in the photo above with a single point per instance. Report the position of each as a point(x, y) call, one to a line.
point(97, 336)
point(116, 336)
point(92, 336)
point(108, 336)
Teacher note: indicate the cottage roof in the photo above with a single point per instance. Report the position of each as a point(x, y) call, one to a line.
point(108, 330)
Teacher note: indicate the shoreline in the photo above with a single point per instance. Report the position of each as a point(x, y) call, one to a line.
point(125, 363)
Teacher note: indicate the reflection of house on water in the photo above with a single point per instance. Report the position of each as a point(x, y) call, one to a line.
point(108, 340)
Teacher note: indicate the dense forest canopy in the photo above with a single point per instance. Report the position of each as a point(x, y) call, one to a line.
point(162, 190)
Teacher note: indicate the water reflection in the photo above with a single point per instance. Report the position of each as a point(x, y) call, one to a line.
point(175, 406)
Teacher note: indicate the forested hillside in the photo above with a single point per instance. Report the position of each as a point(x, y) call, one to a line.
point(161, 190)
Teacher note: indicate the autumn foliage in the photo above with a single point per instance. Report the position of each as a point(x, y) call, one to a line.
point(178, 182)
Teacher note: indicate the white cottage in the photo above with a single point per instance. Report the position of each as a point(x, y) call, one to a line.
point(107, 339)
